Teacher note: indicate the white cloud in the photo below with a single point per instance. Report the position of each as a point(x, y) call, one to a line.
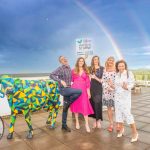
point(138, 48)
point(140, 67)
point(146, 47)
point(146, 53)
point(136, 51)
point(147, 66)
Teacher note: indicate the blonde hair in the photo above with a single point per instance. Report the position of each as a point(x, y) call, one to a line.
point(106, 63)
point(85, 68)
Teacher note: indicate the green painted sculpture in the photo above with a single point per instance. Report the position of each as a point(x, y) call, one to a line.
point(26, 96)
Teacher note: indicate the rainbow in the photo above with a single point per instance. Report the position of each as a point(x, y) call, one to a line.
point(102, 27)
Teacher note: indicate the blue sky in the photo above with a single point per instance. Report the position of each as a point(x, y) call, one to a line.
point(33, 33)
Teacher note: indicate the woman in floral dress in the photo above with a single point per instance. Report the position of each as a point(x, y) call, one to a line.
point(108, 93)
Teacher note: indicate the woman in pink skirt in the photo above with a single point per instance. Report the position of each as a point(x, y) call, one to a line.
point(80, 79)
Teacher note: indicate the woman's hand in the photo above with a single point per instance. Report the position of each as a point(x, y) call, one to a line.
point(110, 83)
point(89, 94)
point(63, 83)
point(110, 89)
point(125, 86)
point(92, 76)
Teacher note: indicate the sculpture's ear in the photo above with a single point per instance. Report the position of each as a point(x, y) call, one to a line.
point(2, 92)
point(1, 95)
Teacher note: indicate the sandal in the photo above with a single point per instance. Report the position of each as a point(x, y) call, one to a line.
point(121, 133)
point(117, 128)
point(87, 128)
point(98, 124)
point(77, 126)
point(94, 125)
point(110, 128)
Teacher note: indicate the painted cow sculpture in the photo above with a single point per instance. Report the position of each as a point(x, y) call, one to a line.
point(26, 96)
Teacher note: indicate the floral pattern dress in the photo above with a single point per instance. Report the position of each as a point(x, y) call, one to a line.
point(108, 92)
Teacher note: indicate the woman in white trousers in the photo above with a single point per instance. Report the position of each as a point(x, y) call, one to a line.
point(124, 82)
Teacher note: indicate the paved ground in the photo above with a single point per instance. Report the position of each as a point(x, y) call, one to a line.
point(99, 139)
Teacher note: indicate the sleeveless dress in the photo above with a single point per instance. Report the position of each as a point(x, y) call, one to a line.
point(96, 94)
point(108, 96)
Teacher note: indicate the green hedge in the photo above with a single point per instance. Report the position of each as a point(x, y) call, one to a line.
point(141, 75)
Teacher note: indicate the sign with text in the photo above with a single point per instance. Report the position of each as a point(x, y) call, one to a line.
point(84, 47)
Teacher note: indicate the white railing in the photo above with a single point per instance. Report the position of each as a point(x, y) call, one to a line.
point(143, 83)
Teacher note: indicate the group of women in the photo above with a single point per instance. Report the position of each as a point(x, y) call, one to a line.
point(109, 86)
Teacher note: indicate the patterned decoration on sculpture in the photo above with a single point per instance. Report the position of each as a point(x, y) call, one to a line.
point(26, 96)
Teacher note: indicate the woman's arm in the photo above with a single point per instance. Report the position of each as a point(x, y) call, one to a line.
point(96, 78)
point(104, 81)
point(88, 86)
point(89, 94)
point(129, 84)
point(111, 84)
point(131, 81)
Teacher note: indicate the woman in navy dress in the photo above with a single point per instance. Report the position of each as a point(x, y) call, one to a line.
point(96, 72)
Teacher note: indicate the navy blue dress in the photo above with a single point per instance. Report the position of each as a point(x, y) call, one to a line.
point(96, 94)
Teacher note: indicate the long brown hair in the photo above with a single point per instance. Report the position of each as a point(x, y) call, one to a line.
point(85, 68)
point(106, 63)
point(92, 68)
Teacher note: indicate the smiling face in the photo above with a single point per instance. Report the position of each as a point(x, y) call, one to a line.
point(121, 67)
point(110, 62)
point(81, 62)
point(63, 60)
point(81, 65)
point(96, 61)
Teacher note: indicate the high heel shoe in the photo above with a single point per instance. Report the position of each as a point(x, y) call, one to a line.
point(134, 139)
point(98, 124)
point(94, 125)
point(121, 133)
point(87, 128)
point(117, 128)
point(110, 128)
point(77, 126)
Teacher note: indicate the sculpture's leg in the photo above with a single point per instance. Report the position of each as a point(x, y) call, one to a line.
point(48, 122)
point(11, 127)
point(54, 115)
point(27, 116)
